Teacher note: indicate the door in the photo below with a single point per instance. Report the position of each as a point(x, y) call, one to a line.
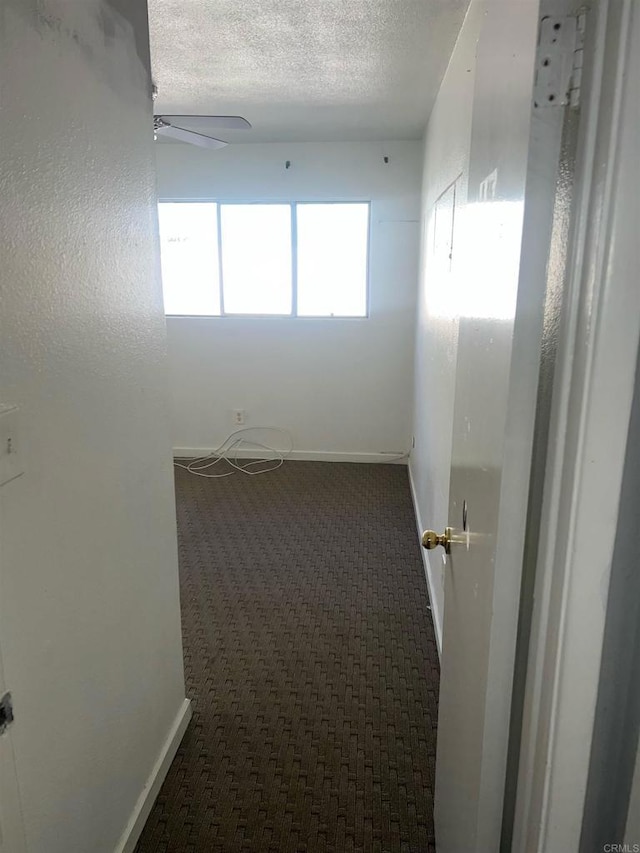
point(499, 260)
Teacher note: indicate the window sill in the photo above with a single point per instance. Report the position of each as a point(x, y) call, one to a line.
point(288, 317)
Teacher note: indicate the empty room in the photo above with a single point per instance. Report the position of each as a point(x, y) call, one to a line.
point(319, 477)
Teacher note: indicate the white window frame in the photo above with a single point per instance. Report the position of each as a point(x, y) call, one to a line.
point(294, 204)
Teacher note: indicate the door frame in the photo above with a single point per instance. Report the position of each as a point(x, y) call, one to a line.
point(592, 396)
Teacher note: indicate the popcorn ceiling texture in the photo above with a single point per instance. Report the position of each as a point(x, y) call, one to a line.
point(303, 70)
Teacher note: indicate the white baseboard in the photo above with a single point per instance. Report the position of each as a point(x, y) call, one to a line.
point(435, 612)
point(395, 457)
point(152, 787)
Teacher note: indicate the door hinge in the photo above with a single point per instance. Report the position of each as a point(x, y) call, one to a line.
point(559, 58)
point(6, 712)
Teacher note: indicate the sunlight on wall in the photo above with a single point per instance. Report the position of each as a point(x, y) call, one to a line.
point(482, 229)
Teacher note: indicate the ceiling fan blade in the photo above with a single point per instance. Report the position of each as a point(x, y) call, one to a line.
point(190, 136)
point(205, 123)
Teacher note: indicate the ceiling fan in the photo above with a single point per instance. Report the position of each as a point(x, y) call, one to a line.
point(189, 128)
point(196, 130)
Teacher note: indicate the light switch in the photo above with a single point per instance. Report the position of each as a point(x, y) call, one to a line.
point(10, 458)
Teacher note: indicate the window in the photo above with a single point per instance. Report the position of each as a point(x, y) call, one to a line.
point(190, 277)
point(302, 259)
point(256, 258)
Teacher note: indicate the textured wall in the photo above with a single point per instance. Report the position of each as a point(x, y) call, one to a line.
point(89, 618)
point(340, 386)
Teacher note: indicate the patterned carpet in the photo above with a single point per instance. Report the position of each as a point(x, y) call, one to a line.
point(311, 661)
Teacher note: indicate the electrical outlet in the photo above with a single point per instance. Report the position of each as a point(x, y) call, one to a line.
point(239, 416)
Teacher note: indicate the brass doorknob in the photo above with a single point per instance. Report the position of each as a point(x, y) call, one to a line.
point(431, 539)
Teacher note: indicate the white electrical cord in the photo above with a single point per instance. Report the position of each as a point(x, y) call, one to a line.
point(201, 466)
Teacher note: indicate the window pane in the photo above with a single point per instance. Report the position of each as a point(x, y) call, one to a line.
point(333, 245)
point(256, 258)
point(189, 252)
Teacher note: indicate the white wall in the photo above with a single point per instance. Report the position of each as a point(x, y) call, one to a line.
point(341, 387)
point(446, 158)
point(89, 615)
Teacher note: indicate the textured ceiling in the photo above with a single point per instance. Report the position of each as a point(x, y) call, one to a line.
point(304, 69)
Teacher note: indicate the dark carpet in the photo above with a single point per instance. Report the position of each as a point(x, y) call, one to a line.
point(311, 661)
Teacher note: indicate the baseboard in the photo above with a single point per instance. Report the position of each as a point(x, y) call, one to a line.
point(394, 457)
point(435, 613)
point(152, 787)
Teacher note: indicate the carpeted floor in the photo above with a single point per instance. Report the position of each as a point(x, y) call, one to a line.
point(311, 661)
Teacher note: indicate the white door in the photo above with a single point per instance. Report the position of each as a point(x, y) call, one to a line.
point(499, 287)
